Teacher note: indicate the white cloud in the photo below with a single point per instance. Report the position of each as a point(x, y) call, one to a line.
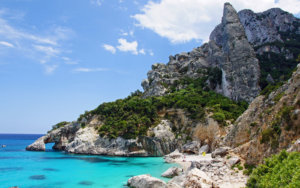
point(50, 68)
point(89, 69)
point(46, 47)
point(185, 20)
point(48, 50)
point(96, 2)
point(130, 33)
point(6, 44)
point(69, 61)
point(126, 46)
point(142, 51)
point(109, 48)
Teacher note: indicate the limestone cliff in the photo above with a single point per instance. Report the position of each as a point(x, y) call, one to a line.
point(228, 49)
point(270, 124)
point(73, 138)
point(248, 48)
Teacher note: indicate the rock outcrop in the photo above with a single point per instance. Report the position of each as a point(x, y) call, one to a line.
point(268, 26)
point(228, 49)
point(270, 124)
point(232, 52)
point(74, 139)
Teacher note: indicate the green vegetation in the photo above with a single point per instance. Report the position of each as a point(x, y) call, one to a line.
point(280, 170)
point(238, 166)
point(59, 125)
point(270, 88)
point(278, 97)
point(134, 115)
point(248, 168)
point(277, 64)
point(253, 124)
point(282, 119)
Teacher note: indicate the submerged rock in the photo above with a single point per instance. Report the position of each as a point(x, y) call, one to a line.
point(37, 177)
point(85, 183)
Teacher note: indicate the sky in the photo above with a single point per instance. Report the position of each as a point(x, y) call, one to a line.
point(59, 58)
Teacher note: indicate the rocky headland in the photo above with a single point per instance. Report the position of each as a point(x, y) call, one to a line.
point(193, 111)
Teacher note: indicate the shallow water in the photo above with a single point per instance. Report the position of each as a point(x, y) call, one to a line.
point(58, 169)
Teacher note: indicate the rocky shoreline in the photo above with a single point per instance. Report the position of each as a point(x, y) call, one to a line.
point(216, 169)
point(222, 168)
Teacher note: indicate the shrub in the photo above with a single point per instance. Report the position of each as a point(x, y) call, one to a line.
point(267, 134)
point(253, 124)
point(219, 117)
point(207, 133)
point(281, 170)
point(59, 125)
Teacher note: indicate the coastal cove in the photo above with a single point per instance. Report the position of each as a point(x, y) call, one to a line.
point(59, 169)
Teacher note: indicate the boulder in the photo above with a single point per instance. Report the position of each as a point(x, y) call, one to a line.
point(233, 160)
point(197, 178)
point(204, 148)
point(191, 147)
point(222, 151)
point(173, 156)
point(171, 172)
point(146, 181)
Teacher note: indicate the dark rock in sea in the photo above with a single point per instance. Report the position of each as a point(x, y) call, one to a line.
point(37, 177)
point(85, 183)
point(50, 169)
point(10, 169)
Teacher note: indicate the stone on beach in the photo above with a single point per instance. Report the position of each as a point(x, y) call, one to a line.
point(191, 147)
point(146, 181)
point(171, 172)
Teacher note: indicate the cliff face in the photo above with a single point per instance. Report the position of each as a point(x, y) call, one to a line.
point(269, 26)
point(246, 47)
point(72, 138)
point(270, 124)
point(228, 49)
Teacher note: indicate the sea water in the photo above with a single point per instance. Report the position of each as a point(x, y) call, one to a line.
point(28, 169)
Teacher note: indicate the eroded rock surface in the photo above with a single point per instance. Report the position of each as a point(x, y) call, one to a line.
point(74, 139)
point(146, 181)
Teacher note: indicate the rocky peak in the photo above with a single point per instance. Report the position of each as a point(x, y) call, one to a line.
point(228, 50)
point(236, 57)
point(268, 26)
point(229, 14)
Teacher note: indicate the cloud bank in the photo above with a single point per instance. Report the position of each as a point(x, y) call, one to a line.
point(185, 20)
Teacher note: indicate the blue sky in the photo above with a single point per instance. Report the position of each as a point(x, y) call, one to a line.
point(59, 58)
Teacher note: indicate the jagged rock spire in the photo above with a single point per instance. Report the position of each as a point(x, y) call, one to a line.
point(232, 52)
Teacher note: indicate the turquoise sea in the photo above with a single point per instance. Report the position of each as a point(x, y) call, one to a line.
point(27, 169)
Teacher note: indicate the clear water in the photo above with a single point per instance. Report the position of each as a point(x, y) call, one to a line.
point(58, 169)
